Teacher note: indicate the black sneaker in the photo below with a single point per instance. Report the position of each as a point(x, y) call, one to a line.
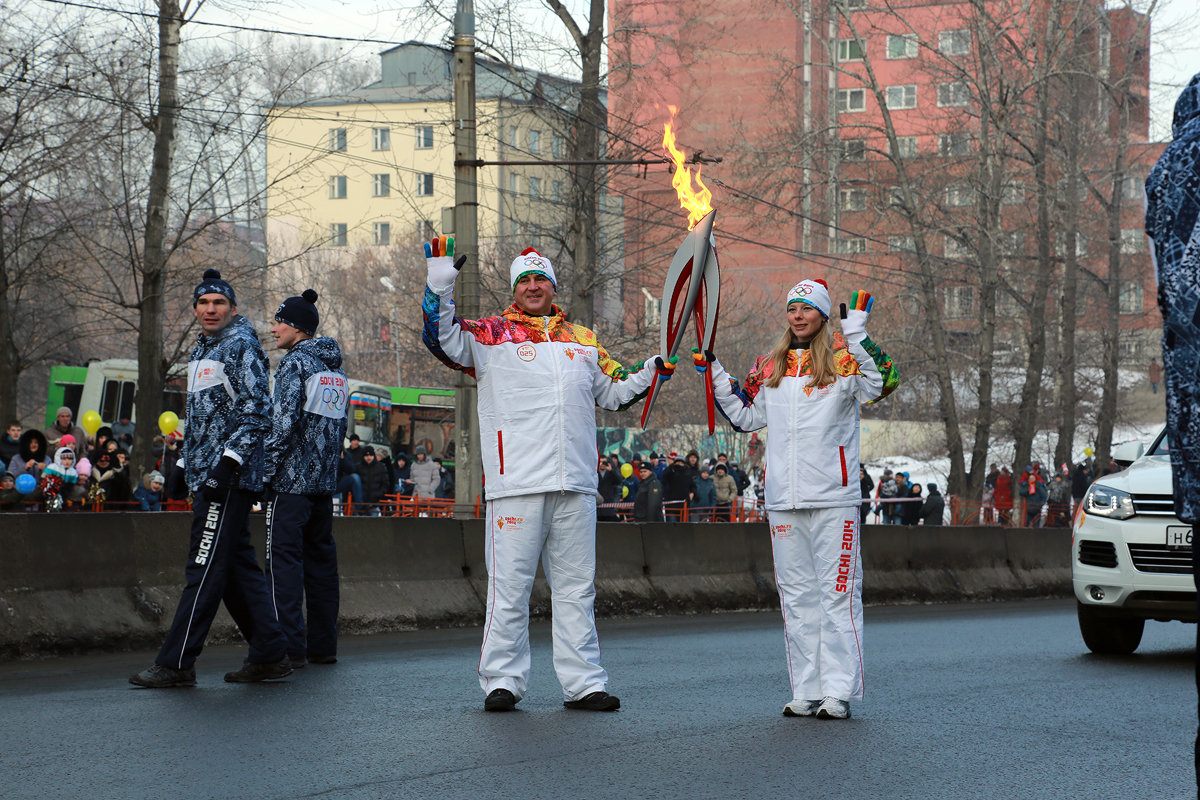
point(500, 700)
point(297, 662)
point(252, 672)
point(159, 677)
point(596, 701)
point(325, 659)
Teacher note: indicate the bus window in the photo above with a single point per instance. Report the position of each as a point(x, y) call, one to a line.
point(369, 419)
point(72, 393)
point(116, 400)
point(174, 396)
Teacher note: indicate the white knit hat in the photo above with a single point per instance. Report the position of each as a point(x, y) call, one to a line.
point(531, 261)
point(815, 293)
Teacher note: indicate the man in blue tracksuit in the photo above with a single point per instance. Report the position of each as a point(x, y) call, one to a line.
point(227, 405)
point(308, 423)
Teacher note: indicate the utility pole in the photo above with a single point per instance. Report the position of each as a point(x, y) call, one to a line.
point(468, 463)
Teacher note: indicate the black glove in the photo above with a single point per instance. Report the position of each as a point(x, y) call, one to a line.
point(177, 483)
point(224, 475)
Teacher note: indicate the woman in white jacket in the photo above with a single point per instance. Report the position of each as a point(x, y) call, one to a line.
point(807, 392)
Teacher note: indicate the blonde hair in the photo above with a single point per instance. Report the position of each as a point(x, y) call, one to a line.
point(820, 357)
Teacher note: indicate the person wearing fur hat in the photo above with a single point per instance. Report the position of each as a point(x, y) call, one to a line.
point(304, 448)
point(540, 380)
point(32, 455)
point(112, 477)
point(228, 405)
point(807, 391)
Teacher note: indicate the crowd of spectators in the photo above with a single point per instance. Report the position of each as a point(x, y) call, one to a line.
point(660, 486)
point(367, 476)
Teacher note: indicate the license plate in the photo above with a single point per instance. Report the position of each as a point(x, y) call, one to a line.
point(1179, 537)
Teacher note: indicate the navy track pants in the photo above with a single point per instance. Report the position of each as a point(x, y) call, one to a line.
point(302, 565)
point(222, 565)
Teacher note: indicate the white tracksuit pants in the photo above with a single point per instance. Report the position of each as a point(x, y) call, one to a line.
point(560, 528)
point(818, 569)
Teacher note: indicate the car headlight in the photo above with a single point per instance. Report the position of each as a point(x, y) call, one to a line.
point(1104, 501)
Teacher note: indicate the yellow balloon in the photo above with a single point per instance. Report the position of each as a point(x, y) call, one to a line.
point(91, 422)
point(168, 421)
point(1087, 451)
point(626, 470)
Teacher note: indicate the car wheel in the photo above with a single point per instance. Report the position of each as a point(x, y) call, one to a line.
point(1109, 634)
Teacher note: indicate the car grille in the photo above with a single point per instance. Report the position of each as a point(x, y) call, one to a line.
point(1155, 505)
point(1160, 558)
point(1097, 554)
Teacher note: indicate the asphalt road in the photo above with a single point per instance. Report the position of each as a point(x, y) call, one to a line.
point(982, 701)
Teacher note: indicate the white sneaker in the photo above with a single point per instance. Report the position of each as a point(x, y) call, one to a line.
point(801, 708)
point(832, 708)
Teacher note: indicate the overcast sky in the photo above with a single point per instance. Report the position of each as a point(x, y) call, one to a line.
point(1174, 52)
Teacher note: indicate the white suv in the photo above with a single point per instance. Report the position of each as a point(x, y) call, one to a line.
point(1131, 557)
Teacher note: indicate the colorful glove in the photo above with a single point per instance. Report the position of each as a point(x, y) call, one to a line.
point(665, 367)
point(442, 268)
point(702, 360)
point(854, 320)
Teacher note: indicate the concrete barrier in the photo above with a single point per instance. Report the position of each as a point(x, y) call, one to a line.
point(75, 582)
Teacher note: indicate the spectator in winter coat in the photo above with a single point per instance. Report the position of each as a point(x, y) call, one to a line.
point(629, 485)
point(113, 479)
point(1032, 488)
point(608, 487)
point(104, 435)
point(64, 427)
point(893, 513)
point(865, 484)
point(1002, 497)
point(1058, 495)
point(704, 496)
point(149, 493)
point(10, 443)
point(122, 431)
point(31, 455)
point(726, 490)
point(58, 479)
point(374, 476)
point(912, 509)
point(445, 488)
point(647, 506)
point(676, 485)
point(424, 474)
point(934, 507)
point(1081, 479)
point(354, 453)
point(885, 490)
point(404, 484)
point(10, 498)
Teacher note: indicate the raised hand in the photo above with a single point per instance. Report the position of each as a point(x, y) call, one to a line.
point(854, 319)
point(439, 261)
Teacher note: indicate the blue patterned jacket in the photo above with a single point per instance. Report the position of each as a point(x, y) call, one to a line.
point(308, 419)
point(1173, 222)
point(227, 405)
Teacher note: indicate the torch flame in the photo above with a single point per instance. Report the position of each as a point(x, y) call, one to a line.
point(696, 203)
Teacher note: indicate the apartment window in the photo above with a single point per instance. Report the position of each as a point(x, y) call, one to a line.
point(902, 45)
point(512, 135)
point(852, 199)
point(853, 149)
point(337, 187)
point(954, 145)
point(535, 189)
point(1064, 190)
point(960, 195)
point(1009, 244)
point(959, 301)
point(952, 94)
point(850, 50)
point(382, 233)
point(1131, 188)
point(1012, 193)
point(955, 247)
point(906, 147)
point(651, 308)
point(381, 139)
point(851, 100)
point(854, 3)
point(1060, 244)
point(902, 244)
point(556, 146)
point(851, 244)
point(337, 234)
point(381, 185)
point(896, 197)
point(1103, 53)
point(556, 191)
point(954, 43)
point(337, 139)
point(535, 142)
point(425, 185)
point(1133, 240)
point(514, 183)
point(1130, 299)
point(900, 97)
point(424, 137)
point(426, 230)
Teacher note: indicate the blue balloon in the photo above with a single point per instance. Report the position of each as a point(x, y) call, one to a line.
point(26, 483)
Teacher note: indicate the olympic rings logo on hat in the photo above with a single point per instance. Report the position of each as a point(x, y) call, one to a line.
point(535, 261)
point(804, 289)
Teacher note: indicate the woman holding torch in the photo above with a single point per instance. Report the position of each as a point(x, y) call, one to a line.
point(806, 391)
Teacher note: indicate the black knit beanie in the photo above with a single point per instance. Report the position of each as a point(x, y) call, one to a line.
point(212, 284)
point(300, 312)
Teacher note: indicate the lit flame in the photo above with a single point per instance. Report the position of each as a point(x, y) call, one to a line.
point(696, 203)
